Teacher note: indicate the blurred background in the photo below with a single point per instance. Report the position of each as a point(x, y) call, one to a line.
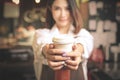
point(20, 18)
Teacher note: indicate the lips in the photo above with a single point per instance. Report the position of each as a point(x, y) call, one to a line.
point(63, 20)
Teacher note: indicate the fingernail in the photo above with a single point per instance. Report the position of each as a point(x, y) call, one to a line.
point(68, 58)
point(64, 55)
point(63, 62)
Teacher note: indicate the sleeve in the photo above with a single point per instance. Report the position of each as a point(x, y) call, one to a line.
point(86, 39)
point(38, 43)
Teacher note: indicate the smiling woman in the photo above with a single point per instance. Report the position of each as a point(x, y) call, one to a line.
point(62, 18)
point(61, 14)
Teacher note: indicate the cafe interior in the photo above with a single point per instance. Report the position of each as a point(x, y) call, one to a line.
point(101, 18)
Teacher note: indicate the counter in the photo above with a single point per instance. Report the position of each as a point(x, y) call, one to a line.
point(16, 63)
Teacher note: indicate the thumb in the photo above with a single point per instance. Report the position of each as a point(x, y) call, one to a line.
point(51, 46)
point(74, 47)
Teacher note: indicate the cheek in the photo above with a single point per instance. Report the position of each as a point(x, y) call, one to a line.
point(55, 15)
point(69, 15)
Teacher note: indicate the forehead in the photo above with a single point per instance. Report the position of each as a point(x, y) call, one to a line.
point(60, 3)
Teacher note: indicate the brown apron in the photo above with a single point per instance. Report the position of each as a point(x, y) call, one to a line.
point(48, 73)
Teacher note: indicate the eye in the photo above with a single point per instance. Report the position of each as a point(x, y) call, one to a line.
point(67, 8)
point(56, 8)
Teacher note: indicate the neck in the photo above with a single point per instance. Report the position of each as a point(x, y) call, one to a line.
point(63, 29)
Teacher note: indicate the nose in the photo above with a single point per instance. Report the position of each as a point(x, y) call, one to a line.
point(63, 13)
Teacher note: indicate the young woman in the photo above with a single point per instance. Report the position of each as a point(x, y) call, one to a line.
point(62, 17)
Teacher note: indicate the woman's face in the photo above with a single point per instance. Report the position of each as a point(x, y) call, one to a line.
point(61, 13)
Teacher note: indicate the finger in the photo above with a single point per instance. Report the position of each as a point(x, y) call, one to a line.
point(51, 46)
point(56, 65)
point(71, 62)
point(74, 47)
point(72, 54)
point(56, 51)
point(57, 57)
point(72, 67)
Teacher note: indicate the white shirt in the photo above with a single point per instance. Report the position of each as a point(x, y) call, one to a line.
point(44, 36)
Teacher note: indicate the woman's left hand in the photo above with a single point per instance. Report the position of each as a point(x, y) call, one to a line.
point(75, 57)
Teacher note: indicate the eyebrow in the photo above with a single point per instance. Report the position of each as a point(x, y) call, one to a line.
point(66, 6)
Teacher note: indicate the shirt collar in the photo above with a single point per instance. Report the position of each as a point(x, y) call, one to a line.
point(56, 31)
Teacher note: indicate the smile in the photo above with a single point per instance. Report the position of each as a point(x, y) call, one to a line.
point(63, 20)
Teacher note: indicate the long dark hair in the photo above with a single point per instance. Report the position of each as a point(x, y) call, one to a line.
point(75, 13)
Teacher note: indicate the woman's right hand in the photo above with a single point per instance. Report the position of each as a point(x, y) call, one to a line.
point(54, 57)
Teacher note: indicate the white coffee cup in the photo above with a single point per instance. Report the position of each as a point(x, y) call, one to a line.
point(63, 42)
